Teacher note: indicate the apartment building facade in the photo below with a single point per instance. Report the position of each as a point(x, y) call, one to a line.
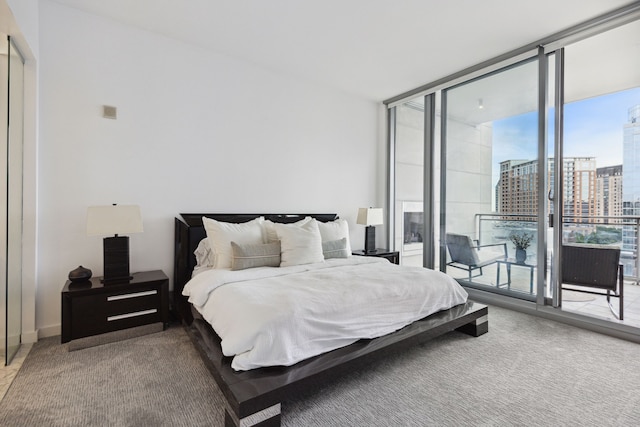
point(631, 176)
point(609, 193)
point(516, 191)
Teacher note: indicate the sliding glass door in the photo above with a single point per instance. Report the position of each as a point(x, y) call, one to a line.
point(11, 135)
point(534, 152)
point(491, 173)
point(14, 201)
point(600, 162)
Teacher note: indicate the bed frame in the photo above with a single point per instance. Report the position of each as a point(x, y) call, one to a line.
point(253, 397)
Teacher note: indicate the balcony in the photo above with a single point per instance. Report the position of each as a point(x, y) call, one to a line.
point(600, 230)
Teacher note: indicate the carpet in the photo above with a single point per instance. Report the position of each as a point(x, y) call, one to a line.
point(526, 371)
point(146, 381)
point(124, 334)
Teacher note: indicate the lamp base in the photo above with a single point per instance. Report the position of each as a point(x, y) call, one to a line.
point(116, 260)
point(369, 239)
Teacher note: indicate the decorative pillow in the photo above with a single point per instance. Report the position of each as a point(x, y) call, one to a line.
point(270, 234)
point(221, 234)
point(335, 230)
point(204, 256)
point(250, 256)
point(335, 249)
point(299, 244)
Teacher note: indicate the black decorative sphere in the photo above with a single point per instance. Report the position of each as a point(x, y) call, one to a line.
point(80, 274)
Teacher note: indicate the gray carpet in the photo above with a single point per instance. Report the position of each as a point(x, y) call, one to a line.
point(153, 380)
point(124, 334)
point(525, 371)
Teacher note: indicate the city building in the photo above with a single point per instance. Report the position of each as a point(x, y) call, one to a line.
point(608, 193)
point(630, 177)
point(579, 187)
point(517, 193)
point(517, 187)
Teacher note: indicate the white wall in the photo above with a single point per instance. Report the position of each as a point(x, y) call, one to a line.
point(196, 132)
point(25, 13)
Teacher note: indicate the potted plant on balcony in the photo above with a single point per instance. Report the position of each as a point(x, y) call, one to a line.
point(521, 241)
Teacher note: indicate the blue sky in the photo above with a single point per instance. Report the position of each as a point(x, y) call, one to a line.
point(593, 128)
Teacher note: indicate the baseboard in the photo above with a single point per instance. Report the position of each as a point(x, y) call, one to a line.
point(29, 337)
point(49, 331)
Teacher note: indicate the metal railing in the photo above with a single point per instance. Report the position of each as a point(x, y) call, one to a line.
point(573, 228)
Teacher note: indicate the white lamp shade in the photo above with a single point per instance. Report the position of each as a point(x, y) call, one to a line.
point(370, 216)
point(113, 219)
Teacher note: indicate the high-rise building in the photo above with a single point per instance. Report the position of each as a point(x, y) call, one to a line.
point(579, 188)
point(518, 191)
point(608, 193)
point(631, 175)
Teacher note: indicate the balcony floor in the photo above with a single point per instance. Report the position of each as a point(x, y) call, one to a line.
point(579, 302)
point(597, 305)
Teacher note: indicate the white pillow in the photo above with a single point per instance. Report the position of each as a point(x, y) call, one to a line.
point(299, 244)
point(221, 234)
point(270, 234)
point(335, 249)
point(204, 257)
point(335, 230)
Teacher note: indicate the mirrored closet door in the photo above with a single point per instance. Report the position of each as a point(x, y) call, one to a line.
point(11, 163)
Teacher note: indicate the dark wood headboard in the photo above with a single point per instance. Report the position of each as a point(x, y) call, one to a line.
point(189, 230)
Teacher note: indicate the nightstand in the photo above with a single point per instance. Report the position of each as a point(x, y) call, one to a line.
point(93, 308)
point(392, 256)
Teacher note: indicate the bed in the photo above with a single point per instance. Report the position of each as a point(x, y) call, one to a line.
point(254, 393)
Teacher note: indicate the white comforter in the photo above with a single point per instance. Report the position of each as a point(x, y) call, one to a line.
point(279, 316)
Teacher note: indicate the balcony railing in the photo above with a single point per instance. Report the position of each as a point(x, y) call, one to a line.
point(618, 231)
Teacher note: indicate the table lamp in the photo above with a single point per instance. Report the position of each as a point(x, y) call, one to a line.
point(370, 217)
point(114, 220)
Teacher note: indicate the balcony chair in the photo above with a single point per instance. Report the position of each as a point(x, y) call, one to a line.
point(467, 256)
point(594, 267)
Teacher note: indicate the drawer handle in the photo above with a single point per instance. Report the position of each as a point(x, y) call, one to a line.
point(135, 314)
point(133, 295)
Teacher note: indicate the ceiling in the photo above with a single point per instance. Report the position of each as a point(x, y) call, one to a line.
point(372, 48)
point(592, 68)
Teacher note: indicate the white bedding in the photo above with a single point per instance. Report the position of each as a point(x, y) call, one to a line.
point(279, 316)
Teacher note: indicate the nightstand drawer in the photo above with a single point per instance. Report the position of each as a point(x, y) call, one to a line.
point(98, 314)
point(132, 302)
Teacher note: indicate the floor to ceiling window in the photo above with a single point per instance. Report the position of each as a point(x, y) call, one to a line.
point(538, 152)
point(601, 159)
point(490, 150)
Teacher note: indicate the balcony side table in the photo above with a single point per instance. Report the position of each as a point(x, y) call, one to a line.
point(508, 263)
